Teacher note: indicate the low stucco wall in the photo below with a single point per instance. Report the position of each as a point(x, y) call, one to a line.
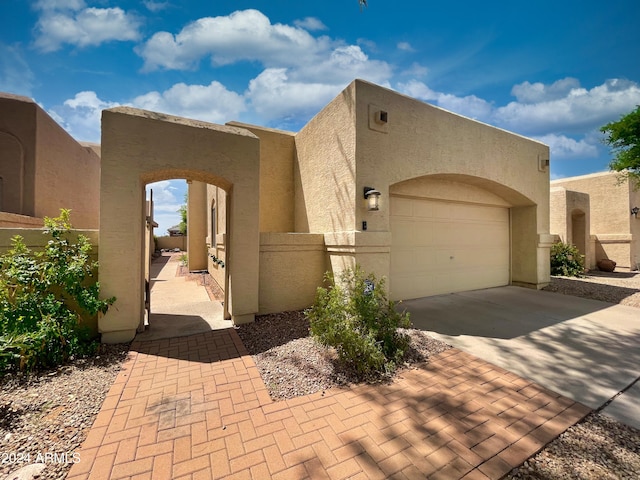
point(292, 267)
point(169, 243)
point(13, 220)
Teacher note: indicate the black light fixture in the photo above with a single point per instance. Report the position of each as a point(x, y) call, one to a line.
point(372, 196)
point(634, 211)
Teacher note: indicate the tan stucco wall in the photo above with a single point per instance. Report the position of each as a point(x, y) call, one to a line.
point(140, 147)
point(569, 210)
point(325, 172)
point(169, 243)
point(277, 157)
point(610, 219)
point(56, 172)
point(18, 142)
point(292, 266)
point(343, 149)
point(217, 199)
point(197, 226)
point(13, 220)
point(67, 175)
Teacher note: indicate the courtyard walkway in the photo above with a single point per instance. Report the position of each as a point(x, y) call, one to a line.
point(196, 408)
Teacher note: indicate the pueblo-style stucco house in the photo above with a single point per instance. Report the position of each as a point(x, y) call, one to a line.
point(460, 205)
point(43, 169)
point(596, 214)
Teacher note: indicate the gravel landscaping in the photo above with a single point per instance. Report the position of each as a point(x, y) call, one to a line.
point(52, 412)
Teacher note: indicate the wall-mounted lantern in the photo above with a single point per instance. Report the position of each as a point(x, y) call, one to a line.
point(635, 211)
point(372, 196)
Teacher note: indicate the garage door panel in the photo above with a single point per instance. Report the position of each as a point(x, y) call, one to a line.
point(444, 247)
point(401, 207)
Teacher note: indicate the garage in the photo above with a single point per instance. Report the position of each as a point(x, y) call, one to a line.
point(442, 246)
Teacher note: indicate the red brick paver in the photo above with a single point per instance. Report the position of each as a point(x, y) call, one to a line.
point(195, 407)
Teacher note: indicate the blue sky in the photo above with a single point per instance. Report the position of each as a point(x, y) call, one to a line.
point(554, 71)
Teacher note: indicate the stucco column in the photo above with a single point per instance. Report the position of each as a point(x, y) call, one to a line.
point(197, 226)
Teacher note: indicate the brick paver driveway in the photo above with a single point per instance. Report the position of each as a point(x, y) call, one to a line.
point(196, 408)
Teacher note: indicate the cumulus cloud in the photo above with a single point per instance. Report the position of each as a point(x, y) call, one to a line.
point(71, 22)
point(273, 95)
point(246, 35)
point(563, 147)
point(539, 92)
point(211, 103)
point(470, 105)
point(310, 23)
point(80, 115)
point(163, 195)
point(566, 106)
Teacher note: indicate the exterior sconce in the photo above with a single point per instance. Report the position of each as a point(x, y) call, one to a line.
point(372, 196)
point(634, 211)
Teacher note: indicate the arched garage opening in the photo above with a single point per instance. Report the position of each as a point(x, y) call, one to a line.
point(140, 147)
point(451, 233)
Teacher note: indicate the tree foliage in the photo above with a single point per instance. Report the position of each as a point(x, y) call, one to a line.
point(183, 216)
point(623, 136)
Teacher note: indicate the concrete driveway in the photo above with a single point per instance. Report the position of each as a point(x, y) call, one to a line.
point(584, 349)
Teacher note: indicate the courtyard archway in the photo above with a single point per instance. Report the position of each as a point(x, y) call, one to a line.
point(140, 147)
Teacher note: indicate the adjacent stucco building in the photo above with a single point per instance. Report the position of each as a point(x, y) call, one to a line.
point(43, 169)
point(593, 212)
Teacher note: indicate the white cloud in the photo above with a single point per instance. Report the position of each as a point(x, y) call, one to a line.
point(80, 115)
point(69, 22)
point(211, 103)
point(244, 35)
point(567, 107)
point(163, 195)
point(155, 6)
point(274, 96)
point(405, 47)
point(310, 23)
point(539, 92)
point(470, 105)
point(563, 147)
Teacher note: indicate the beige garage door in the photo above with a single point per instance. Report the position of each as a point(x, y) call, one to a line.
point(442, 247)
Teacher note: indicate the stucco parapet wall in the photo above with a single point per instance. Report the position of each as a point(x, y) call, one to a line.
point(258, 127)
point(136, 112)
point(613, 238)
point(358, 242)
point(281, 242)
point(14, 220)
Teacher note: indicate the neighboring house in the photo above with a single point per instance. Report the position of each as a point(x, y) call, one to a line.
point(43, 169)
point(175, 231)
point(461, 205)
point(594, 212)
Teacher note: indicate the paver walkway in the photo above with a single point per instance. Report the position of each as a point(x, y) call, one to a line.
point(196, 408)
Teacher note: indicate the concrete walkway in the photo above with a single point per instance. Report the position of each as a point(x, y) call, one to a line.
point(584, 349)
point(179, 307)
point(196, 408)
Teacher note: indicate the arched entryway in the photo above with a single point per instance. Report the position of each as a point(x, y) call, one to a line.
point(579, 232)
point(140, 147)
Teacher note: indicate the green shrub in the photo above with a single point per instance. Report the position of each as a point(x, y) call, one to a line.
point(354, 316)
point(46, 298)
point(566, 260)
